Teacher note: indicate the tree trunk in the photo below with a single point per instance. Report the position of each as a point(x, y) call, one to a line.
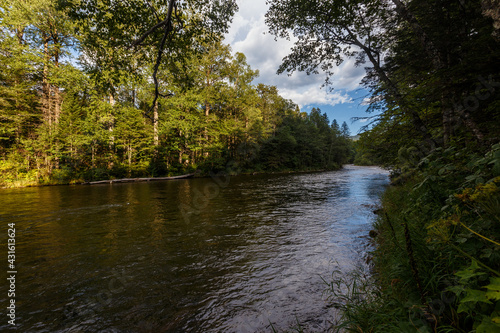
point(20, 36)
point(465, 116)
point(394, 91)
point(155, 124)
point(180, 149)
point(45, 82)
point(111, 130)
point(111, 122)
point(129, 153)
point(207, 112)
point(448, 120)
point(93, 154)
point(246, 128)
point(205, 131)
point(57, 97)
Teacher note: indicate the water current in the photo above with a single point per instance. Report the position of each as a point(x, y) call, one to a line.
point(194, 255)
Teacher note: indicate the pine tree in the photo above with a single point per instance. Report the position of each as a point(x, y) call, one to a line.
point(344, 130)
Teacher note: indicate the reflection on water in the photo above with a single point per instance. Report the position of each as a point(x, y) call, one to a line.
point(164, 257)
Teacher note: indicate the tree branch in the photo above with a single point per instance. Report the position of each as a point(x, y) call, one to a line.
point(161, 48)
point(153, 10)
point(167, 22)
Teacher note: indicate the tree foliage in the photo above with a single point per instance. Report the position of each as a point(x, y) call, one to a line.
point(430, 65)
point(103, 89)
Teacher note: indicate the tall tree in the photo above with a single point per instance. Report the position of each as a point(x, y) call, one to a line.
point(329, 31)
point(18, 97)
point(130, 29)
point(344, 129)
point(431, 51)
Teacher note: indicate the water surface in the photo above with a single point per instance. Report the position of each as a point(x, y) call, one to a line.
point(198, 255)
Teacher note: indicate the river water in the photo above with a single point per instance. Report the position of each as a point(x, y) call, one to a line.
point(200, 255)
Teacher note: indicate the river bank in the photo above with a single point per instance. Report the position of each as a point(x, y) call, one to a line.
point(437, 257)
point(232, 171)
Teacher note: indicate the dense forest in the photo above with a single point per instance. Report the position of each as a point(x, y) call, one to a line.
point(85, 94)
point(433, 71)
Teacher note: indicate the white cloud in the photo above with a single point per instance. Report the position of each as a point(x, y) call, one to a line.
point(237, 29)
point(347, 75)
point(371, 100)
point(366, 101)
point(249, 35)
point(315, 96)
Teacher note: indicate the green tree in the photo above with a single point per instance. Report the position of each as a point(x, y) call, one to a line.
point(129, 30)
point(18, 97)
point(328, 32)
point(344, 130)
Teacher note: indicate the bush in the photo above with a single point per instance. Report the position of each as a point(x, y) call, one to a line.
point(63, 175)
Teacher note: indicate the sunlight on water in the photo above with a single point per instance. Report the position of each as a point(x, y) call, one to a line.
point(199, 255)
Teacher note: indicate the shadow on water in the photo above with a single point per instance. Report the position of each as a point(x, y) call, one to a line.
point(160, 257)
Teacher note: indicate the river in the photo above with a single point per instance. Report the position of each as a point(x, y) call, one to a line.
point(195, 255)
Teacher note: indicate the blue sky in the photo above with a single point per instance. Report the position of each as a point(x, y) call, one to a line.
point(249, 34)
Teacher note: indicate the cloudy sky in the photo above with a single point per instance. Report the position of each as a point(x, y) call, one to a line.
point(249, 35)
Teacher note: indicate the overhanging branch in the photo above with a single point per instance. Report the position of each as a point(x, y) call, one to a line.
point(168, 28)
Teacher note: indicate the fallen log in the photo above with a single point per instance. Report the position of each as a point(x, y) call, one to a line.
point(133, 180)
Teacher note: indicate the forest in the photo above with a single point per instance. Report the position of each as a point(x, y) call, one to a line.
point(82, 98)
point(100, 89)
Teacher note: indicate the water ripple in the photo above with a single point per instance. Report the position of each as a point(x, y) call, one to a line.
point(124, 258)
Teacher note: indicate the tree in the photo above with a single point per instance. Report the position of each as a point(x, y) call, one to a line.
point(273, 107)
point(344, 130)
point(18, 97)
point(130, 28)
point(443, 53)
point(37, 37)
point(422, 52)
point(329, 31)
point(335, 125)
point(47, 30)
point(60, 123)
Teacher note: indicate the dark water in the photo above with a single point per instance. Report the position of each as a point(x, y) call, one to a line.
point(200, 255)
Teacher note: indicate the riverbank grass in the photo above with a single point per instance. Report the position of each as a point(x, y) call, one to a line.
point(437, 260)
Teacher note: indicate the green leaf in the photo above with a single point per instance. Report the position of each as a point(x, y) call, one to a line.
point(475, 296)
point(469, 272)
point(493, 292)
point(488, 326)
point(457, 290)
point(486, 253)
point(464, 307)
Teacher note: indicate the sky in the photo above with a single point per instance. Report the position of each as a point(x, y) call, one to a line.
point(249, 34)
